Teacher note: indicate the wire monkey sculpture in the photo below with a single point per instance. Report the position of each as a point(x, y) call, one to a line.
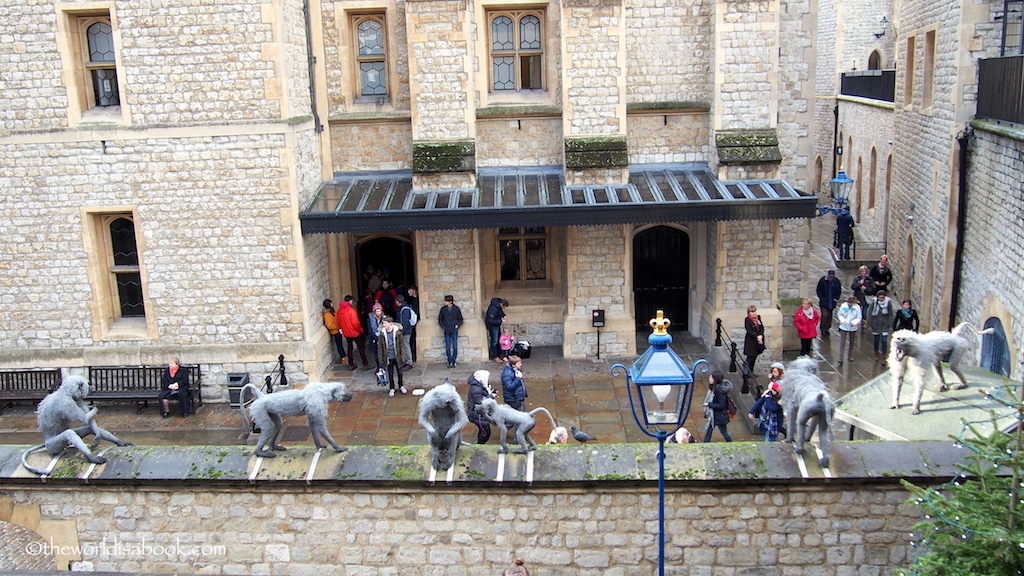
point(927, 352)
point(444, 406)
point(806, 397)
point(504, 417)
point(312, 401)
point(55, 413)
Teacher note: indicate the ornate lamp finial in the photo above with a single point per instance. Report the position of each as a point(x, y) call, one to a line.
point(660, 323)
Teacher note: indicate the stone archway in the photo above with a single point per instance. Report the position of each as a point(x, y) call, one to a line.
point(661, 276)
point(391, 253)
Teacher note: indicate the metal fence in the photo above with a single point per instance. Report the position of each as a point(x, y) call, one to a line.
point(1001, 88)
point(873, 84)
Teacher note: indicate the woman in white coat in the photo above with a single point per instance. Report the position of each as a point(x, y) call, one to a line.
point(849, 316)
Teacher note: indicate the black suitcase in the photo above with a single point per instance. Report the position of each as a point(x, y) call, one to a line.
point(522, 349)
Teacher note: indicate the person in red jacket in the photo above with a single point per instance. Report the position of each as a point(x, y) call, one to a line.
point(352, 330)
point(806, 323)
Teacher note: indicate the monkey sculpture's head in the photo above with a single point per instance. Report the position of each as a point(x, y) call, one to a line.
point(804, 364)
point(75, 387)
point(902, 343)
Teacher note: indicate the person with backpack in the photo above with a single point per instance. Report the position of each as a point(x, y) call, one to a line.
point(716, 406)
point(407, 317)
point(768, 412)
point(331, 323)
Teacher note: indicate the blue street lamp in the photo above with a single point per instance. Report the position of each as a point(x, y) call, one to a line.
point(664, 389)
point(841, 186)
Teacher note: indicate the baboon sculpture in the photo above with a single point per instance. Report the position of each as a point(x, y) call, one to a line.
point(55, 413)
point(312, 401)
point(504, 417)
point(805, 398)
point(927, 352)
point(444, 406)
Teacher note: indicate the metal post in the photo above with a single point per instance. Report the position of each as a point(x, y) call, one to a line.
point(284, 379)
point(598, 342)
point(718, 331)
point(732, 357)
point(662, 434)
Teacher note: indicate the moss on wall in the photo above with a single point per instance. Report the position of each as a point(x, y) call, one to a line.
point(596, 152)
point(438, 157)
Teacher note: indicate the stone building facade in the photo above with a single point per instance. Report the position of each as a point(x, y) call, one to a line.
point(942, 221)
point(160, 161)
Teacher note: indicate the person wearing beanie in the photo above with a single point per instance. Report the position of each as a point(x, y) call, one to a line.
point(374, 324)
point(768, 412)
point(479, 390)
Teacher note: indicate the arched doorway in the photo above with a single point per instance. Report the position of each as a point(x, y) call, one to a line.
point(391, 254)
point(661, 276)
point(995, 353)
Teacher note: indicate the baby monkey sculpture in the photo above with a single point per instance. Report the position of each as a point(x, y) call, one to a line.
point(444, 406)
point(55, 413)
point(312, 401)
point(504, 417)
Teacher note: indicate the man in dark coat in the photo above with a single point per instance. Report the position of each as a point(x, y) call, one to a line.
point(844, 229)
point(493, 320)
point(881, 274)
point(830, 289)
point(450, 318)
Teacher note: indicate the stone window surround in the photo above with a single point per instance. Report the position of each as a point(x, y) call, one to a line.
point(531, 290)
point(484, 83)
point(347, 21)
point(106, 309)
point(72, 21)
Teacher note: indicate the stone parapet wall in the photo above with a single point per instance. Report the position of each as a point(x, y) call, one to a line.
point(737, 509)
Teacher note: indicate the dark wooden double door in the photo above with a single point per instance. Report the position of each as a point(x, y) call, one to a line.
point(661, 276)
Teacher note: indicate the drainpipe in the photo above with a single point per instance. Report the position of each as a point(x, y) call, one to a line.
point(312, 68)
point(835, 138)
point(964, 139)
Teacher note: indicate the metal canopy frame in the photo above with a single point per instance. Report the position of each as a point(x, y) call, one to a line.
point(386, 201)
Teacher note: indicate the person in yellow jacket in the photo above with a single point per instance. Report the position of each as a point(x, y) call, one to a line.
point(332, 326)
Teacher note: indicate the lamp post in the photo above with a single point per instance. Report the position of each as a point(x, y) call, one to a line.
point(841, 186)
point(663, 387)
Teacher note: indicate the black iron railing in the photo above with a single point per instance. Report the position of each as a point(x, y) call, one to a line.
point(736, 360)
point(873, 84)
point(1001, 88)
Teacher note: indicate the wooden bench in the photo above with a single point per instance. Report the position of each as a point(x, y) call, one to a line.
point(27, 385)
point(138, 383)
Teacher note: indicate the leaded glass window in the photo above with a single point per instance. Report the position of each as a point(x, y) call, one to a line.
point(125, 270)
point(101, 62)
point(371, 55)
point(516, 50)
point(522, 254)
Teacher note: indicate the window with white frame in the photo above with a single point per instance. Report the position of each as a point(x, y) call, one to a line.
point(516, 50)
point(370, 34)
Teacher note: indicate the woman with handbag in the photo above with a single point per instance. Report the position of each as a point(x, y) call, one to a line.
point(753, 341)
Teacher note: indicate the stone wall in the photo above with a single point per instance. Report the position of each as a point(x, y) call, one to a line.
point(438, 34)
point(746, 57)
point(369, 146)
point(655, 138)
point(597, 259)
point(995, 197)
point(528, 141)
point(871, 124)
point(800, 531)
point(593, 38)
point(668, 55)
point(448, 265)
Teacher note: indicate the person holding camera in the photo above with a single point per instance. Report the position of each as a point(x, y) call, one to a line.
point(768, 412)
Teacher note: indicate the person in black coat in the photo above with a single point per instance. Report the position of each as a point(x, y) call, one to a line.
point(844, 231)
point(450, 318)
point(716, 406)
point(830, 289)
point(906, 318)
point(493, 320)
point(881, 274)
point(479, 390)
point(174, 384)
point(753, 340)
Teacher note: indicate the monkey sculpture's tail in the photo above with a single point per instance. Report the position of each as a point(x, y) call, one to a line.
point(544, 410)
point(967, 325)
point(241, 403)
point(33, 469)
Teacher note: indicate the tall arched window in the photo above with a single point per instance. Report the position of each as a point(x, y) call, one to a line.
point(126, 278)
point(875, 60)
point(371, 54)
point(995, 353)
point(873, 175)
